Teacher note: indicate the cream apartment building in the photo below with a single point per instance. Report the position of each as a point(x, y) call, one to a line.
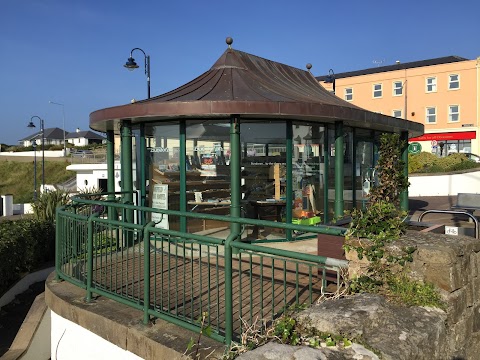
point(442, 93)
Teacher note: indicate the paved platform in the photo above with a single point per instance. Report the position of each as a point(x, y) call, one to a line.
point(418, 205)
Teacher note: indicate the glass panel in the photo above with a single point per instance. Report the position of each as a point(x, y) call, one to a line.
point(348, 195)
point(348, 183)
point(263, 161)
point(364, 166)
point(308, 160)
point(163, 159)
point(331, 172)
point(208, 171)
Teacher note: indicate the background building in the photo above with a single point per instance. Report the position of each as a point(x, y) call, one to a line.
point(441, 93)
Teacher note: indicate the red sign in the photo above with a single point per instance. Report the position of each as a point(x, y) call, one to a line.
point(462, 135)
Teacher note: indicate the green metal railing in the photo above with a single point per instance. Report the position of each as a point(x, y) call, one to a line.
point(178, 276)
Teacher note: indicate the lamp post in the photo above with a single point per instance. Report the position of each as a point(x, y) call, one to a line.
point(330, 79)
point(34, 146)
point(132, 65)
point(42, 129)
point(63, 112)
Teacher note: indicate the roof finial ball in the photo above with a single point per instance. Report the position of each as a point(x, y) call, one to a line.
point(309, 66)
point(229, 42)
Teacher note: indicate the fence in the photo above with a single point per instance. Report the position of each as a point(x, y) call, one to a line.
point(182, 277)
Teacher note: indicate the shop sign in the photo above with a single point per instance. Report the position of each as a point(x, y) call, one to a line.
point(414, 148)
point(461, 135)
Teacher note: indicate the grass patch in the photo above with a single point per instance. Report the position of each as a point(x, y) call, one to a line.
point(16, 177)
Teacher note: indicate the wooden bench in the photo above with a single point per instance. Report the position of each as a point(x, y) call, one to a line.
point(467, 202)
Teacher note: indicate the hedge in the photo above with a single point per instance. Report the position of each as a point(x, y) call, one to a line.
point(24, 245)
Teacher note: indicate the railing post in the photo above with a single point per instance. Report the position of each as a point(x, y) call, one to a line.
point(90, 220)
point(58, 234)
point(146, 271)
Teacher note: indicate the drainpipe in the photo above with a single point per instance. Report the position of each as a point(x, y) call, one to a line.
point(183, 176)
point(142, 182)
point(289, 180)
point(404, 194)
point(126, 167)
point(111, 171)
point(235, 228)
point(477, 96)
point(326, 164)
point(339, 160)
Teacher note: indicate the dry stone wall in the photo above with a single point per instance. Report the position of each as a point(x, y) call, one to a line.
point(391, 331)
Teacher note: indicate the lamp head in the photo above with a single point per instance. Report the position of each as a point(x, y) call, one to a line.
point(131, 64)
point(329, 79)
point(31, 124)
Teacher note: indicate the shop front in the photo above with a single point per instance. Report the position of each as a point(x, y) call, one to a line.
point(443, 144)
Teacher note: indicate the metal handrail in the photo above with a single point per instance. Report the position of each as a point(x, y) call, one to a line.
point(85, 242)
point(453, 212)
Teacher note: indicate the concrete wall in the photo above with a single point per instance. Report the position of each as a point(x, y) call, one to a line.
point(444, 184)
point(48, 153)
point(66, 342)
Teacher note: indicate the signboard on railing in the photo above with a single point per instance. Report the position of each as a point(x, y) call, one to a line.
point(160, 201)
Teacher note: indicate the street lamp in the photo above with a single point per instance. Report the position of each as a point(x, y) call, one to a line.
point(132, 65)
point(63, 111)
point(34, 146)
point(330, 79)
point(42, 129)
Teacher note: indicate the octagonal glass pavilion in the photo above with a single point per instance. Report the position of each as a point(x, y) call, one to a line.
point(249, 138)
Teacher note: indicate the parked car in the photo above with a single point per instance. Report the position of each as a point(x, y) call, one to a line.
point(470, 156)
point(81, 153)
point(473, 157)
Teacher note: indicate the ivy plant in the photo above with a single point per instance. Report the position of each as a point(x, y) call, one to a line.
point(381, 223)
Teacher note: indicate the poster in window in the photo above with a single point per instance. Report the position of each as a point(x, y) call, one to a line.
point(160, 201)
point(208, 167)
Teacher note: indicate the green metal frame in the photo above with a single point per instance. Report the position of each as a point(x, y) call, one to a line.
point(339, 178)
point(98, 248)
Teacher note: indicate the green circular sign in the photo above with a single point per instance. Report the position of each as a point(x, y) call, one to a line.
point(414, 148)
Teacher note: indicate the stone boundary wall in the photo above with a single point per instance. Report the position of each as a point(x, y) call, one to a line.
point(398, 332)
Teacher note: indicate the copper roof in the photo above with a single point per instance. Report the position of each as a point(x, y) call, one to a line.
point(251, 87)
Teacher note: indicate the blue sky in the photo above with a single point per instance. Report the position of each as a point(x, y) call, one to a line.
point(72, 52)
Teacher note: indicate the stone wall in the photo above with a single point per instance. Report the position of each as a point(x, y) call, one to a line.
point(397, 332)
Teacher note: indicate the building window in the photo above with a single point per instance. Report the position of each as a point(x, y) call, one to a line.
point(453, 113)
point(348, 94)
point(377, 90)
point(397, 113)
point(431, 115)
point(431, 84)
point(397, 88)
point(453, 82)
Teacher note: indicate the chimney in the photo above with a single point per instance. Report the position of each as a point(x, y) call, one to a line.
point(77, 130)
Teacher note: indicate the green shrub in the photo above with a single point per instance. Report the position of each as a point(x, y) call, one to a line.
point(46, 204)
point(429, 163)
point(24, 245)
point(419, 162)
